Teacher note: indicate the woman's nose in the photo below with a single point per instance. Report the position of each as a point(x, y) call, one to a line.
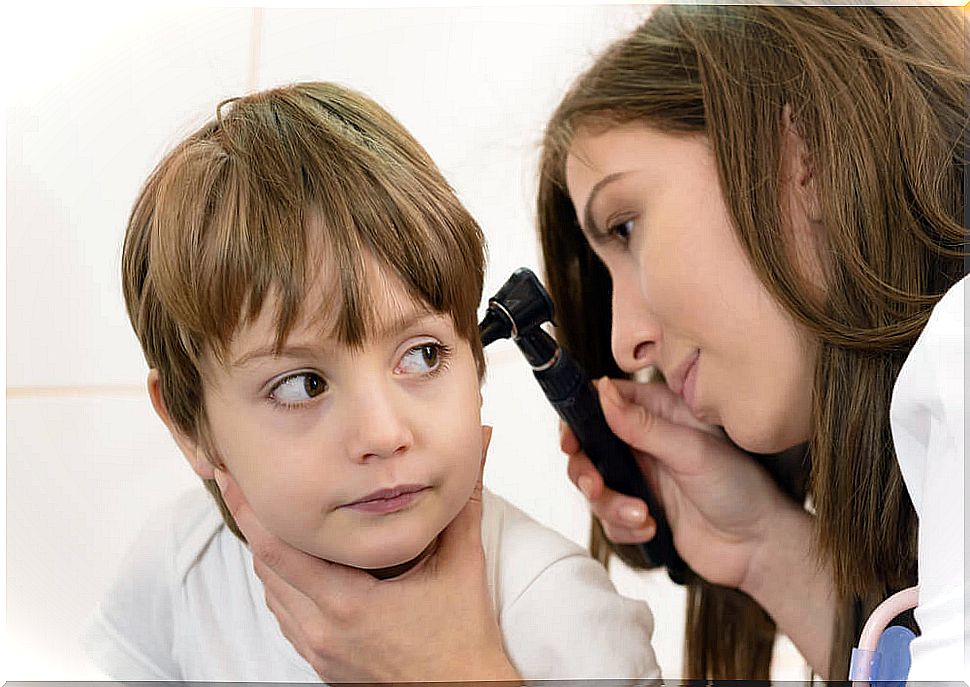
point(636, 332)
point(379, 425)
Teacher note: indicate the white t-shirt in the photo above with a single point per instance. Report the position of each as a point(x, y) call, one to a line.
point(188, 606)
point(929, 424)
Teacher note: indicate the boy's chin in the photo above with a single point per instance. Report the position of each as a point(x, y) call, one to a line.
point(385, 570)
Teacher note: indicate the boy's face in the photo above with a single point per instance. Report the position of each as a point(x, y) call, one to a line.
point(362, 456)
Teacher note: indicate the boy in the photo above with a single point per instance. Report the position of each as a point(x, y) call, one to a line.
point(304, 285)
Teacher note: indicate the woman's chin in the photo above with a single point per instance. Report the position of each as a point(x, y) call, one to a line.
point(755, 440)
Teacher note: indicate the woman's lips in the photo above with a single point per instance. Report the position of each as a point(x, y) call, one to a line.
point(689, 392)
point(388, 500)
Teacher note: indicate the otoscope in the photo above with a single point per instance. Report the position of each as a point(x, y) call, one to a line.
point(518, 310)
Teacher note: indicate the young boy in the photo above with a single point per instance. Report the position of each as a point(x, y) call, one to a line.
point(304, 285)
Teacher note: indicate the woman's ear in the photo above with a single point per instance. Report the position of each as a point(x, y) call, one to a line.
point(190, 447)
point(798, 168)
point(801, 194)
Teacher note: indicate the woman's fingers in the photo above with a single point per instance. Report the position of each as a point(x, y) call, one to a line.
point(568, 443)
point(335, 615)
point(582, 473)
point(625, 519)
point(626, 516)
point(299, 569)
point(657, 398)
point(285, 595)
point(681, 448)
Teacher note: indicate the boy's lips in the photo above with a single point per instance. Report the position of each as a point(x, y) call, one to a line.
point(388, 500)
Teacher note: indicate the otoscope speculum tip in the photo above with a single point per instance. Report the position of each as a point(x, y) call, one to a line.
point(494, 326)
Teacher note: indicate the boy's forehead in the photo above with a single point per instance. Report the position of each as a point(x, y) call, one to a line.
point(386, 307)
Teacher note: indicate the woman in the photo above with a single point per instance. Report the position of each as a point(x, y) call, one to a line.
point(773, 197)
point(835, 139)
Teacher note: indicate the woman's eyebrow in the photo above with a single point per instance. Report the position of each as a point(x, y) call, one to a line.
point(589, 226)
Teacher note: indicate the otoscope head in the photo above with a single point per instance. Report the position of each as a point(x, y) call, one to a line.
point(520, 305)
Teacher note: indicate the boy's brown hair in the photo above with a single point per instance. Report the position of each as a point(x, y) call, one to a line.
point(240, 209)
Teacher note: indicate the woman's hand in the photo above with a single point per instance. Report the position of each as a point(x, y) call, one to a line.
point(719, 502)
point(730, 522)
point(434, 623)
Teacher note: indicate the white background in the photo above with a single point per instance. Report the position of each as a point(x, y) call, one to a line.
point(94, 98)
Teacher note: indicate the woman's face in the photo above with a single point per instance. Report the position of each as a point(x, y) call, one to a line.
point(685, 297)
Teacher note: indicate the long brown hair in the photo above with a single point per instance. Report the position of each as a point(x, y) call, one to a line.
point(879, 98)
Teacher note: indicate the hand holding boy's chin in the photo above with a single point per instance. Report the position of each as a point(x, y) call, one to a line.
point(335, 615)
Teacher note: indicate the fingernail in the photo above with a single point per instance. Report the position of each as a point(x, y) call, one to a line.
point(633, 515)
point(220, 477)
point(585, 485)
point(608, 391)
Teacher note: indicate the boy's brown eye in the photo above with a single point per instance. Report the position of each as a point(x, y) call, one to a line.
point(313, 385)
point(430, 355)
point(298, 388)
point(424, 358)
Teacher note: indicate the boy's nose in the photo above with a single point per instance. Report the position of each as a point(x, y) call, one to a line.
point(379, 426)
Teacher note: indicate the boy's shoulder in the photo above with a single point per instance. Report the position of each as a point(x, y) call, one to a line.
point(196, 521)
point(181, 530)
point(515, 528)
point(187, 579)
point(560, 615)
point(518, 548)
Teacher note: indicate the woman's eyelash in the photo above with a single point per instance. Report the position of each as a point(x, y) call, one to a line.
point(619, 230)
point(615, 229)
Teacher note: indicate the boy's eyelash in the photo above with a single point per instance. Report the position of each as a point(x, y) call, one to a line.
point(291, 406)
point(444, 357)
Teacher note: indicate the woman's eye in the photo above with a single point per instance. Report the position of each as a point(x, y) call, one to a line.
point(421, 359)
point(622, 230)
point(298, 388)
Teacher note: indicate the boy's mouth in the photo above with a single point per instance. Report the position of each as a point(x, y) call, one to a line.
point(388, 500)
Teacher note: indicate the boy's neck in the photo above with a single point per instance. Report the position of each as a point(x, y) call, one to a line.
point(401, 568)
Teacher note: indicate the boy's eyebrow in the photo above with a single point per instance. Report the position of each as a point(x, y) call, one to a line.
point(404, 322)
point(393, 328)
point(270, 351)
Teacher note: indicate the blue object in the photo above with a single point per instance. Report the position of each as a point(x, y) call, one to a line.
point(888, 663)
point(893, 651)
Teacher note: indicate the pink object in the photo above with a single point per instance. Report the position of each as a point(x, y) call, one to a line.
point(864, 658)
point(883, 615)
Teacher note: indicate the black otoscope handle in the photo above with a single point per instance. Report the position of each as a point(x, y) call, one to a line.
point(574, 398)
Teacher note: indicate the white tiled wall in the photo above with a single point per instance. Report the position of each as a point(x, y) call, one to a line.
point(95, 100)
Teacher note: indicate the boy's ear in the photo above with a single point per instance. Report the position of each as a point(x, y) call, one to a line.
point(189, 446)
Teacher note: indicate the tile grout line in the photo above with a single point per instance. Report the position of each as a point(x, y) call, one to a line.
point(495, 359)
point(77, 391)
